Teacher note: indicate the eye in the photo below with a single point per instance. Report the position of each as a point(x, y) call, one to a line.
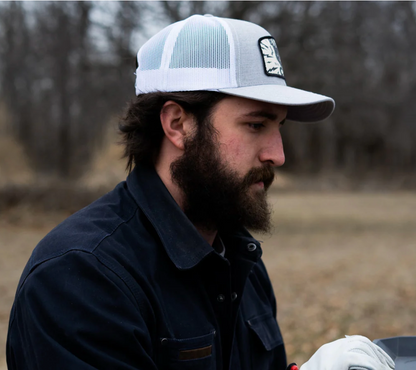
point(256, 126)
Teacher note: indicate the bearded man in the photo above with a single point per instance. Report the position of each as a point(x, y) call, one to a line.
point(161, 273)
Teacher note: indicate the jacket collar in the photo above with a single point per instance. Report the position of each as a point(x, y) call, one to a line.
point(183, 243)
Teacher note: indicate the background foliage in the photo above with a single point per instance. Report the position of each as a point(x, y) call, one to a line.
point(66, 70)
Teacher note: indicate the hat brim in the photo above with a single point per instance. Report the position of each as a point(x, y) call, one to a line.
point(303, 106)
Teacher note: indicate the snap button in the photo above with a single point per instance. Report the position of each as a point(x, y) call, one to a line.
point(233, 296)
point(164, 341)
point(251, 247)
point(221, 298)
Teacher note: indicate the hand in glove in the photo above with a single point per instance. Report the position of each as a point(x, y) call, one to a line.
point(351, 353)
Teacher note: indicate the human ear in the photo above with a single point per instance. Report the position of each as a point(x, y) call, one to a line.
point(176, 123)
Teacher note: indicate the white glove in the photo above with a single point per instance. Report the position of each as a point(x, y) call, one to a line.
point(351, 353)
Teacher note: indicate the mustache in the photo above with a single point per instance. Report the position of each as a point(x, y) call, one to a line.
point(260, 174)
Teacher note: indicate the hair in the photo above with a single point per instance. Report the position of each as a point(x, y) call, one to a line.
point(141, 129)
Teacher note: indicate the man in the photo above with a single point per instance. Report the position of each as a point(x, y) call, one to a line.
point(161, 273)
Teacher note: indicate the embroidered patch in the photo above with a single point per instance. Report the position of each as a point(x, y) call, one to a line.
point(271, 57)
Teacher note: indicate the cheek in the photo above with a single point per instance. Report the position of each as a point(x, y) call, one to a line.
point(233, 151)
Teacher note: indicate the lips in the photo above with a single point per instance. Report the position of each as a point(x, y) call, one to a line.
point(266, 179)
point(263, 175)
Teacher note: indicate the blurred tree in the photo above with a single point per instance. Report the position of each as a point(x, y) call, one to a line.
point(59, 88)
point(64, 74)
point(43, 78)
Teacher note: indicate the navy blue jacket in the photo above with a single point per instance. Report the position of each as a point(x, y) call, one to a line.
point(129, 283)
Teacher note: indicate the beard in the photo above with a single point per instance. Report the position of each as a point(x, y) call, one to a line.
point(215, 196)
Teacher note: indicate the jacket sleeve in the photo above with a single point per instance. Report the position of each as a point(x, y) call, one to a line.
point(73, 312)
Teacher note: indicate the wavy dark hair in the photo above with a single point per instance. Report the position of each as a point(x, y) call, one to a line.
point(141, 129)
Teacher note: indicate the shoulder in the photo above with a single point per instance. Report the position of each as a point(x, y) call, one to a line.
point(104, 235)
point(85, 229)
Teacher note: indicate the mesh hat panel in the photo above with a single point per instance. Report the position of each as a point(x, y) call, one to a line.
point(153, 51)
point(201, 45)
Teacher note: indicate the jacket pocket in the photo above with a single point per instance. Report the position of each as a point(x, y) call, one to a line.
point(267, 343)
point(266, 328)
point(189, 353)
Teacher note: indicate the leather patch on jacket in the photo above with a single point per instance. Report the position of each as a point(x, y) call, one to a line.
point(193, 354)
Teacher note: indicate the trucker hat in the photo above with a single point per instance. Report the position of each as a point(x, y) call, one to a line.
point(226, 55)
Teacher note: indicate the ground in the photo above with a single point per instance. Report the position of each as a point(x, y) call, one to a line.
point(340, 263)
point(343, 263)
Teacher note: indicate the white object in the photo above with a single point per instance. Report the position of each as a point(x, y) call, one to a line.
point(351, 353)
point(230, 56)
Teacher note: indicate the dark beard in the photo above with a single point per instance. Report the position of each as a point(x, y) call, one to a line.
point(216, 197)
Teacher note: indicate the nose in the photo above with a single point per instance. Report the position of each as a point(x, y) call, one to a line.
point(273, 152)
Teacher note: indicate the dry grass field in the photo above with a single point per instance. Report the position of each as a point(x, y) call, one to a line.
point(341, 263)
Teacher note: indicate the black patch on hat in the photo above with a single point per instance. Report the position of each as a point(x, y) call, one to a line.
point(271, 57)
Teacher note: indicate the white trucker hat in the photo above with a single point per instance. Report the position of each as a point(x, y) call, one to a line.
point(230, 56)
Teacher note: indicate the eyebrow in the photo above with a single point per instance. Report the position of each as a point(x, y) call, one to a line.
point(264, 114)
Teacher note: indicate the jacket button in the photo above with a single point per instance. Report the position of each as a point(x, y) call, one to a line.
point(251, 247)
point(233, 296)
point(221, 298)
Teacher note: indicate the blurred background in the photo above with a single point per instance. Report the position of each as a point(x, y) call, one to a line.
point(342, 254)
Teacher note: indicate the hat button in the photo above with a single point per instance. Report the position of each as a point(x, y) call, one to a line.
point(208, 15)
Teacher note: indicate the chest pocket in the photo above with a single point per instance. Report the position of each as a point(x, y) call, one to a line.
point(267, 343)
point(196, 353)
